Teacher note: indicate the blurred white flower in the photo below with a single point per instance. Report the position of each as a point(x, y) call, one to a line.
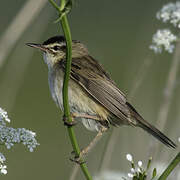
point(179, 139)
point(170, 13)
point(3, 169)
point(132, 170)
point(4, 115)
point(140, 163)
point(137, 171)
point(163, 39)
point(129, 157)
point(10, 136)
point(130, 175)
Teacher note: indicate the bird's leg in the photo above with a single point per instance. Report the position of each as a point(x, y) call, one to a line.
point(94, 141)
point(90, 146)
point(86, 116)
point(77, 115)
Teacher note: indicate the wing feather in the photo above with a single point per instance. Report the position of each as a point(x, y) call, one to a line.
point(90, 75)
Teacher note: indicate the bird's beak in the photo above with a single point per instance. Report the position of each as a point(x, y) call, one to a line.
point(38, 46)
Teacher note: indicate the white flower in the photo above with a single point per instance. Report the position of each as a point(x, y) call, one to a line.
point(163, 39)
point(3, 115)
point(132, 170)
point(170, 13)
point(140, 163)
point(129, 157)
point(10, 136)
point(32, 133)
point(3, 169)
point(130, 175)
point(179, 139)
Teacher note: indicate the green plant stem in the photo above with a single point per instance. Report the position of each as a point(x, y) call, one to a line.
point(170, 168)
point(67, 34)
point(54, 5)
point(63, 4)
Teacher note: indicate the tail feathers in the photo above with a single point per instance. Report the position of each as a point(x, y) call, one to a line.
point(150, 128)
point(157, 134)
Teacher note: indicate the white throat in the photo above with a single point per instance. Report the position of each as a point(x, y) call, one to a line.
point(48, 60)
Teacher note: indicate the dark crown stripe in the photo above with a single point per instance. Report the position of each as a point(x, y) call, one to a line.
point(57, 39)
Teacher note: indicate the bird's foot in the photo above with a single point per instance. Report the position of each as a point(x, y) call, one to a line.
point(77, 158)
point(67, 123)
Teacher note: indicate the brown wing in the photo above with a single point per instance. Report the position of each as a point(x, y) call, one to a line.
point(98, 84)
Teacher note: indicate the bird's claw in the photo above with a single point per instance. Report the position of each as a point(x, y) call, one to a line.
point(78, 160)
point(67, 123)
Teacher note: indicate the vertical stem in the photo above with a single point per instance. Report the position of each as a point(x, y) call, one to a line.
point(67, 34)
point(169, 89)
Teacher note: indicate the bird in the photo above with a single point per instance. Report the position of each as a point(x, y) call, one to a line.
point(94, 98)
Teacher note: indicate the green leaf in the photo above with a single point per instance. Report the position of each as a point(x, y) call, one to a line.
point(154, 173)
point(149, 163)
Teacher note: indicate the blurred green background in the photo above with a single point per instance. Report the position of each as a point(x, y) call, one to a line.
point(118, 35)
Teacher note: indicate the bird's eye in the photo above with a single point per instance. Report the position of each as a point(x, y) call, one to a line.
point(56, 48)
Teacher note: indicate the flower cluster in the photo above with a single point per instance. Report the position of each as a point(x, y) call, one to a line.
point(137, 171)
point(163, 38)
point(3, 167)
point(170, 13)
point(10, 136)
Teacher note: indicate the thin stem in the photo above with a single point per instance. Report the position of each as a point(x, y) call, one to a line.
point(142, 71)
point(169, 89)
point(167, 96)
point(74, 172)
point(66, 29)
point(67, 34)
point(54, 5)
point(170, 168)
point(63, 3)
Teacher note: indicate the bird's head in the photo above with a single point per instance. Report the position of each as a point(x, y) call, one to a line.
point(54, 49)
